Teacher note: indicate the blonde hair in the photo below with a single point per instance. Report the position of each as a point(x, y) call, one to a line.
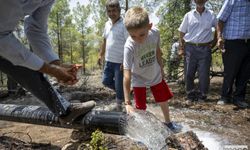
point(136, 18)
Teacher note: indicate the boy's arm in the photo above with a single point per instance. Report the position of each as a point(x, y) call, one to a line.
point(126, 88)
point(159, 60)
point(126, 85)
point(102, 52)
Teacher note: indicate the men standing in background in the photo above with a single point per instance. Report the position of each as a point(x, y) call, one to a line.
point(115, 35)
point(196, 41)
point(234, 39)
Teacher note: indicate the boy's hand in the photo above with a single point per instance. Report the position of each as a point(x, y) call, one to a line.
point(129, 109)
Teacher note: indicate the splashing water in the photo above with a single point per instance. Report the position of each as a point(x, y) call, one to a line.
point(144, 127)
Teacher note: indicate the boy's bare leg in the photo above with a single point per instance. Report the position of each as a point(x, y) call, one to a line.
point(165, 111)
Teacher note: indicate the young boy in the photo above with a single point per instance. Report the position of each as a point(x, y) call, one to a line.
point(143, 64)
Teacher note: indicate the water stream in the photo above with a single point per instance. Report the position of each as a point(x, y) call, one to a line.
point(146, 127)
point(210, 140)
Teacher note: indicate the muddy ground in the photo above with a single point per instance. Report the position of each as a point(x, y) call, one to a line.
point(227, 121)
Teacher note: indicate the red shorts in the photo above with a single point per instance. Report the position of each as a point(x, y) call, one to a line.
point(161, 93)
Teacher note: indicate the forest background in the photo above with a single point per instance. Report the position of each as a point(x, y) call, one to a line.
point(76, 32)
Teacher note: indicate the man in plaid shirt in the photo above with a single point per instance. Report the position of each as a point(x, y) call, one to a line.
point(234, 40)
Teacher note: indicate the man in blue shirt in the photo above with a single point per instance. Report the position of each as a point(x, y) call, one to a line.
point(234, 40)
point(27, 67)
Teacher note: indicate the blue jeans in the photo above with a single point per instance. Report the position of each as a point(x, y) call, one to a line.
point(113, 79)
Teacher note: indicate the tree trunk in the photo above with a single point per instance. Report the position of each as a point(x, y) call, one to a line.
point(187, 4)
point(126, 5)
point(71, 48)
point(83, 52)
point(60, 53)
point(83, 57)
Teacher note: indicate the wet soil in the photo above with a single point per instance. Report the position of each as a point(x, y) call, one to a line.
point(227, 121)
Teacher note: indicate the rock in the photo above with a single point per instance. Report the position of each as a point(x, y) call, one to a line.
point(185, 141)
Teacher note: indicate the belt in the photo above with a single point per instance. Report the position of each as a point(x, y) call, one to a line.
point(244, 40)
point(241, 40)
point(199, 44)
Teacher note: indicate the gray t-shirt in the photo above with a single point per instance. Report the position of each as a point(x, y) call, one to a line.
point(142, 61)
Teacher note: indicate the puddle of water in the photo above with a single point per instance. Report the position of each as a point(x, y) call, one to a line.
point(209, 139)
point(142, 126)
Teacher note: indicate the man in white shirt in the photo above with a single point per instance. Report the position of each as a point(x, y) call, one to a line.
point(115, 35)
point(196, 41)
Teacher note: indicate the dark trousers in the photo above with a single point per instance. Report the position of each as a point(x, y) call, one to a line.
point(236, 62)
point(197, 59)
point(37, 84)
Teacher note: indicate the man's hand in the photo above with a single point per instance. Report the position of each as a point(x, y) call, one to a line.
point(99, 61)
point(64, 73)
point(212, 44)
point(181, 52)
point(220, 44)
point(75, 68)
point(121, 67)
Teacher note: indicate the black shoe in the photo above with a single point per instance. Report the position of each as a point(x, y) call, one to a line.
point(192, 96)
point(201, 97)
point(240, 104)
point(76, 110)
